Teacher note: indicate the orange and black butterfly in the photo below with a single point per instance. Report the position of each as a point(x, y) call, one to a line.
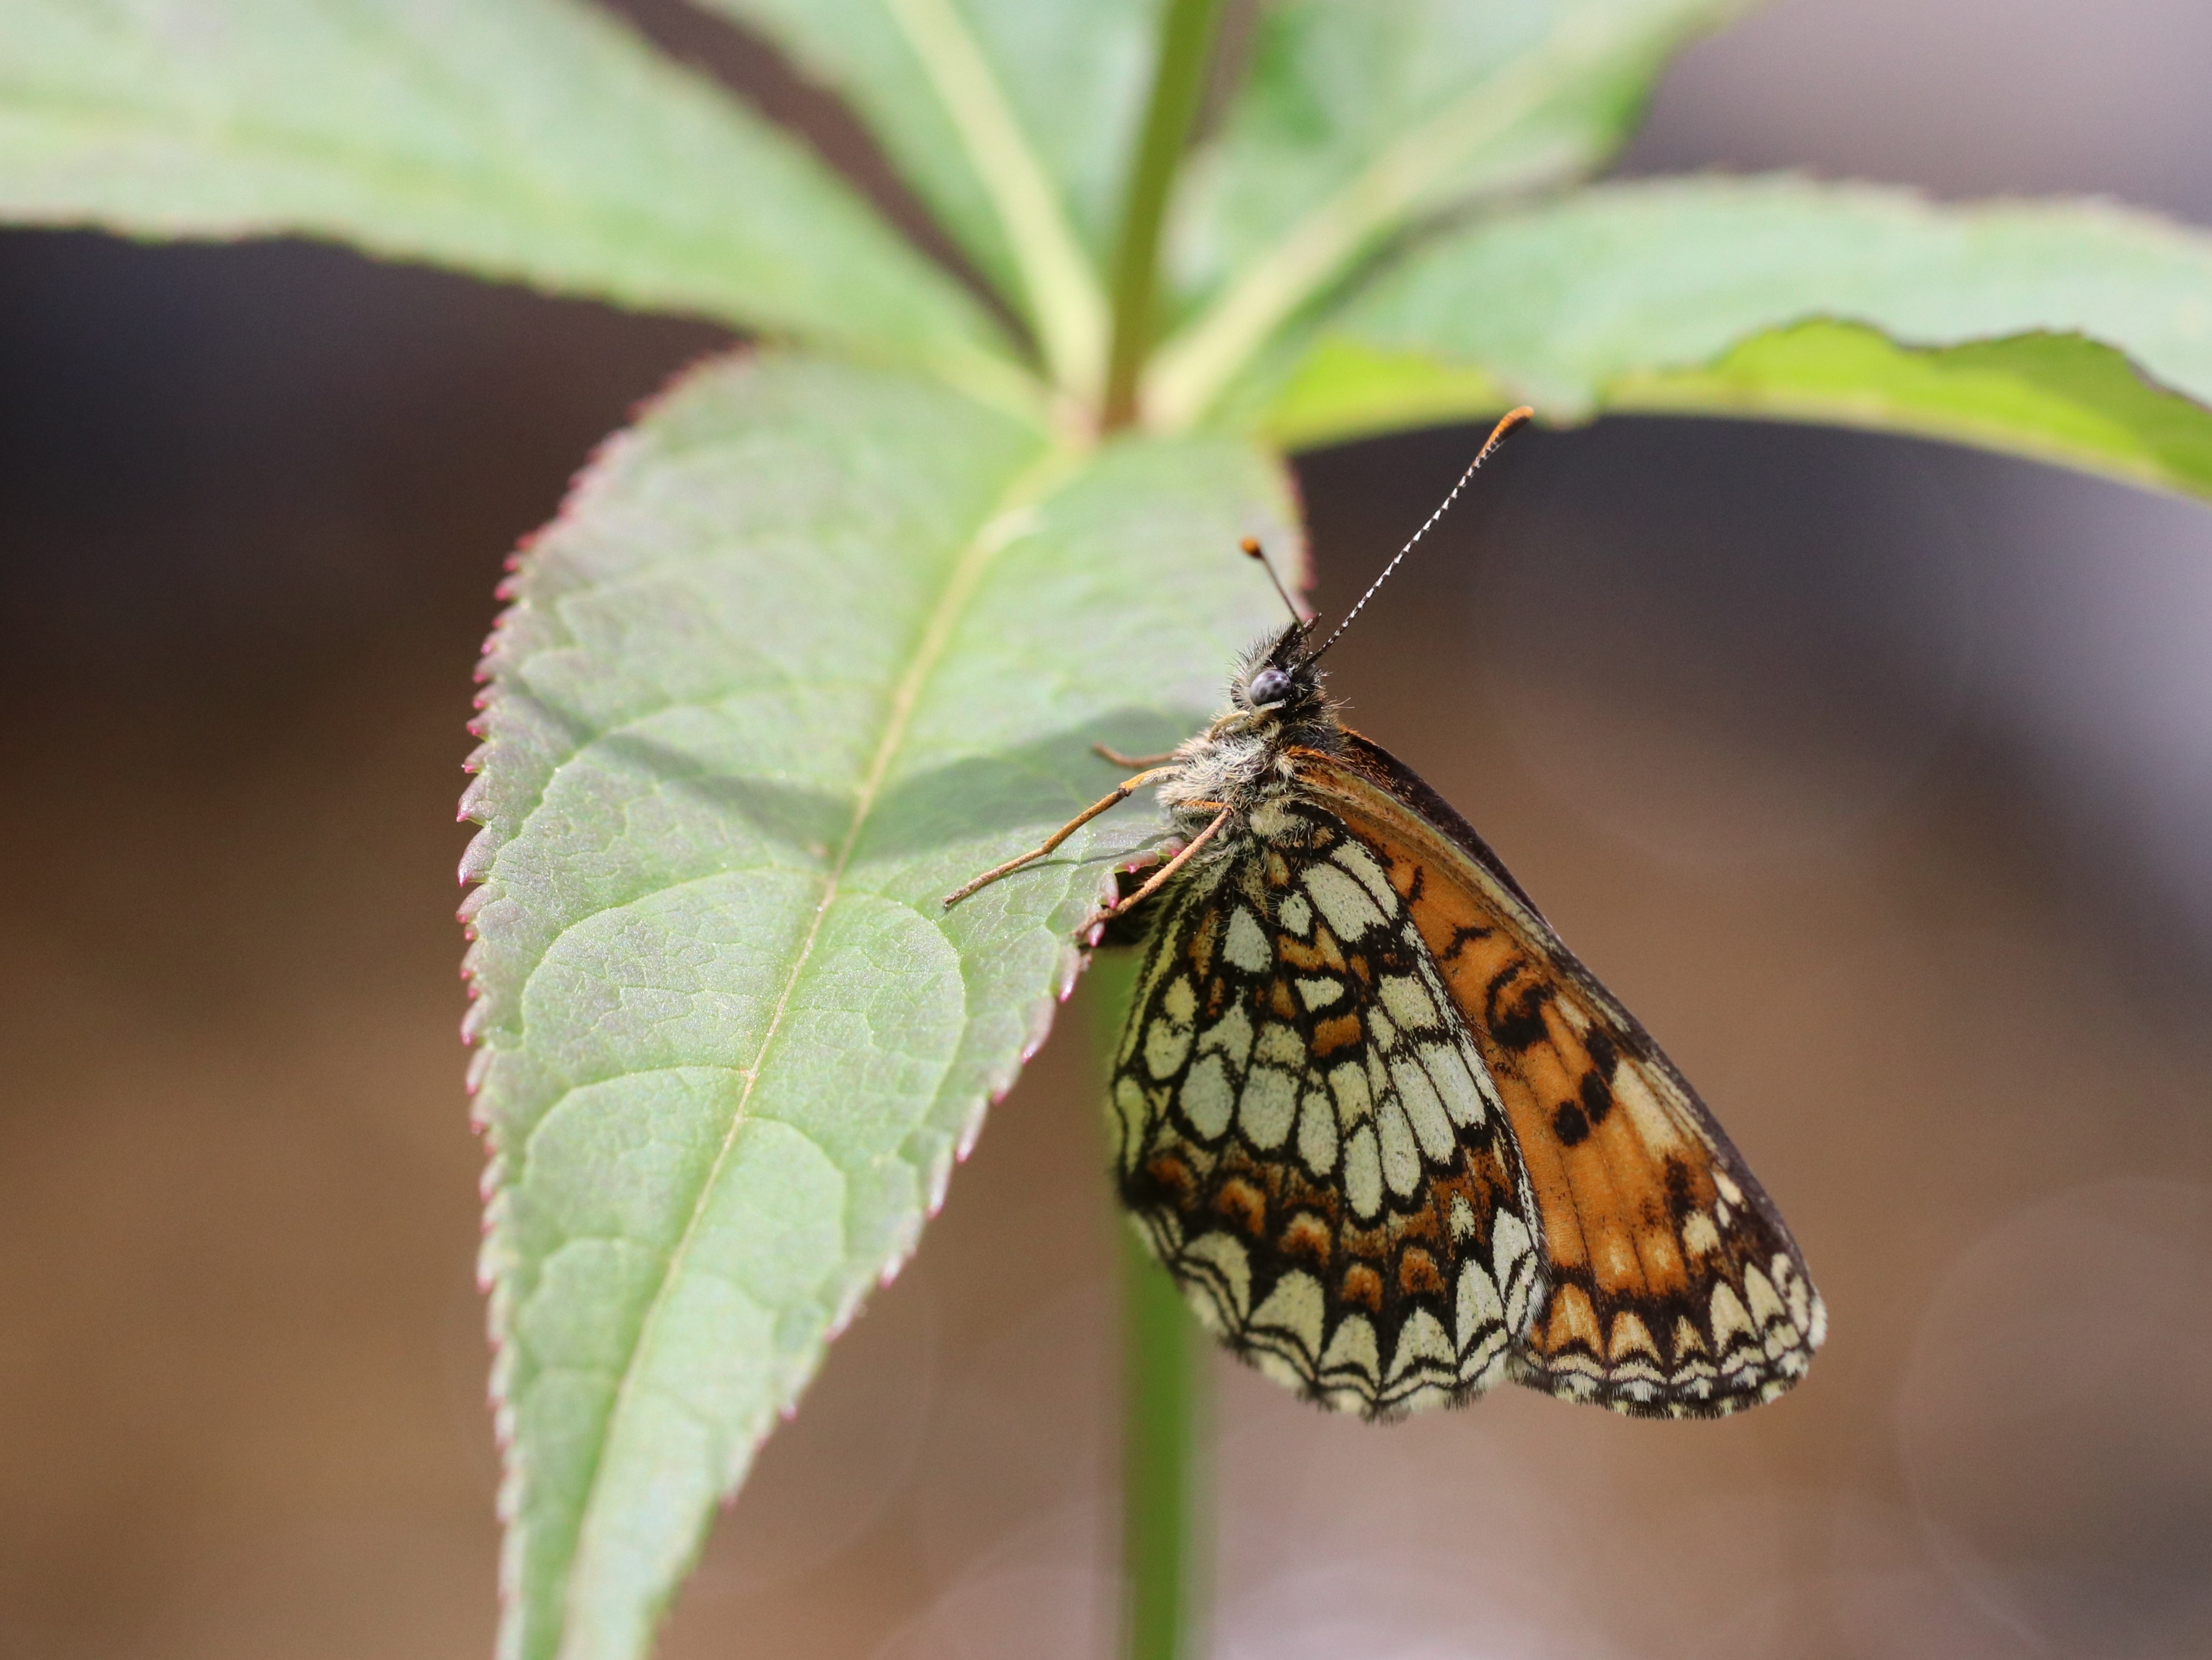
point(1394, 1141)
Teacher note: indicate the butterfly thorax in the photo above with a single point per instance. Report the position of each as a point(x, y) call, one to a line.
point(1247, 758)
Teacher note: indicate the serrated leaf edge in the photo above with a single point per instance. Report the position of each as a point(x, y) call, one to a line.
point(496, 726)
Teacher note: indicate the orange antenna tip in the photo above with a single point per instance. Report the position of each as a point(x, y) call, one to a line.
point(1252, 550)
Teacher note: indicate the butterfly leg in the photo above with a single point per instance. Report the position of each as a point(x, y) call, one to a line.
point(1122, 760)
point(1120, 793)
point(1159, 877)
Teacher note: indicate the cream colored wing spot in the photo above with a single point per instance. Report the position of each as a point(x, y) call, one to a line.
point(1245, 943)
point(1230, 1270)
point(1658, 1123)
point(1318, 992)
point(1166, 1044)
point(1207, 1097)
point(1729, 1322)
point(1296, 1310)
point(1766, 1308)
point(1422, 1345)
point(1296, 915)
point(1317, 1133)
point(1402, 1158)
point(1231, 1037)
point(1351, 1348)
point(1270, 1102)
point(1132, 1116)
point(1631, 1337)
point(1179, 1002)
point(1344, 905)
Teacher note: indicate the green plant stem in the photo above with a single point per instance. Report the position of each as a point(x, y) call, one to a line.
point(1187, 30)
point(1165, 1540)
point(1163, 1555)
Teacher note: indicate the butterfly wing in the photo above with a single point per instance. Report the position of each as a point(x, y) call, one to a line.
point(1306, 1135)
point(1673, 1287)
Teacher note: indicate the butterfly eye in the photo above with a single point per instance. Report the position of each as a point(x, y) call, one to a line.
point(1270, 685)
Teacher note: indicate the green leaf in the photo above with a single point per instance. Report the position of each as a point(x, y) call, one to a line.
point(2073, 332)
point(534, 140)
point(1358, 118)
point(1014, 119)
point(2052, 397)
point(809, 646)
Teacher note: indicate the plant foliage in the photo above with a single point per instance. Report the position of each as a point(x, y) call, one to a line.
point(835, 624)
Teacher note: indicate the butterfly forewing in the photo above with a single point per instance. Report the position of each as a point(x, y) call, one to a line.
point(1309, 1136)
point(1672, 1286)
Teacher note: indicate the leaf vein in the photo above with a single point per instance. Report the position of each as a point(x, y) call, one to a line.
point(1011, 519)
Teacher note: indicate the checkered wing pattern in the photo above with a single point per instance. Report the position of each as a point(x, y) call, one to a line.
point(1308, 1136)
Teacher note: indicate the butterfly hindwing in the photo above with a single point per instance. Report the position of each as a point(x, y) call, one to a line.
point(1672, 1286)
point(1309, 1137)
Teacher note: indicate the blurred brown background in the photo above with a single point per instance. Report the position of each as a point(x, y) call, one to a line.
point(1874, 776)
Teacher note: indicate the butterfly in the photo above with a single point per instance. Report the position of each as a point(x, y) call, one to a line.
point(1394, 1142)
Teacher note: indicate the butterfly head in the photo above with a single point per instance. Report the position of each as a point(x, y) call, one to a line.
point(1278, 681)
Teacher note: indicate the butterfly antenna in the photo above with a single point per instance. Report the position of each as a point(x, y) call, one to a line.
point(1497, 433)
point(1252, 550)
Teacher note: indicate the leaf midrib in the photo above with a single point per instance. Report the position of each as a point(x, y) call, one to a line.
point(1065, 304)
point(1007, 520)
point(406, 176)
point(962, 346)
